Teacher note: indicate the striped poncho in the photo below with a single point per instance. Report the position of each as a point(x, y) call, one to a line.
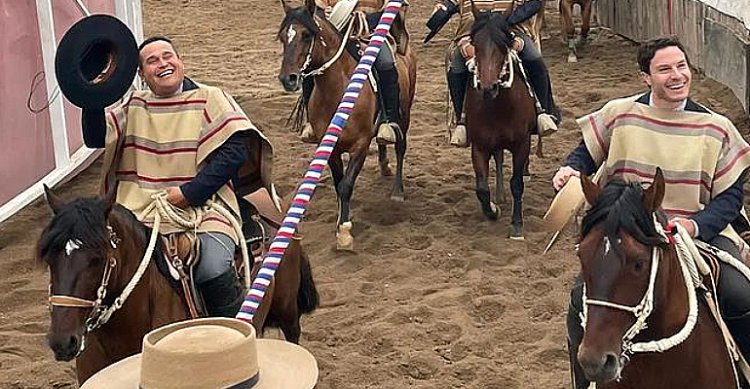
point(700, 152)
point(166, 143)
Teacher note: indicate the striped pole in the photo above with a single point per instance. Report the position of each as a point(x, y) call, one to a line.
point(320, 159)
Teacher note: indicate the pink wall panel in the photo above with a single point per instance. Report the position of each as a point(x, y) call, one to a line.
point(65, 15)
point(26, 151)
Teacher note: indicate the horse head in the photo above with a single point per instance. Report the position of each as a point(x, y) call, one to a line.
point(619, 239)
point(297, 34)
point(77, 246)
point(491, 38)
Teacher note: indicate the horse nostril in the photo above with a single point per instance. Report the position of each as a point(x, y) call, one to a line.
point(73, 342)
point(611, 362)
point(293, 79)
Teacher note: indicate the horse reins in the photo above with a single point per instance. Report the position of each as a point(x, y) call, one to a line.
point(322, 68)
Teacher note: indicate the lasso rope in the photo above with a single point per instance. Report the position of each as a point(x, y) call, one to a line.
point(310, 180)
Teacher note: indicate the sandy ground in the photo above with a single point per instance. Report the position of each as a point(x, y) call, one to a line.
point(435, 296)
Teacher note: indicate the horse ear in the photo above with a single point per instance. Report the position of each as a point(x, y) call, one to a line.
point(286, 6)
point(653, 196)
point(591, 190)
point(55, 202)
point(109, 200)
point(311, 6)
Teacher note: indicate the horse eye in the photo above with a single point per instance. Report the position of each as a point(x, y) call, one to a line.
point(639, 265)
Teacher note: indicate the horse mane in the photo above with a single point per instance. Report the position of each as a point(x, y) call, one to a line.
point(301, 15)
point(83, 219)
point(497, 24)
point(620, 207)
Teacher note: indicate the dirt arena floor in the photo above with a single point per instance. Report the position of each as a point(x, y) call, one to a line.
point(435, 295)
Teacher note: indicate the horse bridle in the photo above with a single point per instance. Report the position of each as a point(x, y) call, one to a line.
point(643, 310)
point(507, 68)
point(304, 73)
point(99, 313)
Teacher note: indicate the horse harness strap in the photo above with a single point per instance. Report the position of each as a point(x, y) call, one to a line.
point(183, 250)
point(344, 46)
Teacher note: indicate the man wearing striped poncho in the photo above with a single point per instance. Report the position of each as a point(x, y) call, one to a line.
point(704, 159)
point(190, 141)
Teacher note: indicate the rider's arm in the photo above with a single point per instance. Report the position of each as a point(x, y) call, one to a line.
point(221, 166)
point(720, 211)
point(524, 12)
point(94, 127)
point(581, 160)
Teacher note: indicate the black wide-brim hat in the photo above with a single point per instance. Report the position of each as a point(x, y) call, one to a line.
point(96, 61)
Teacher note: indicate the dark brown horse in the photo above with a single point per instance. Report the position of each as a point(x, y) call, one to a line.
point(569, 27)
point(312, 43)
point(93, 248)
point(627, 259)
point(500, 115)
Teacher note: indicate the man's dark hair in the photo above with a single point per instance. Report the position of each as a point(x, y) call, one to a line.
point(649, 48)
point(153, 39)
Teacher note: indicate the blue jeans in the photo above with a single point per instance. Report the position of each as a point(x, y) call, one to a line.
point(216, 257)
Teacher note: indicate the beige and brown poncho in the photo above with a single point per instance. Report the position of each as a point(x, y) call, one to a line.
point(166, 143)
point(701, 153)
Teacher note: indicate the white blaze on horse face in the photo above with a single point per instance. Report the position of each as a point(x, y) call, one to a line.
point(290, 34)
point(72, 245)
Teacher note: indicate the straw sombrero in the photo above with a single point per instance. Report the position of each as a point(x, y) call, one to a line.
point(566, 203)
point(210, 353)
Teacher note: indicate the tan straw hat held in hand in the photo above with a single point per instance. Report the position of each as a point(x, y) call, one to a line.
point(210, 353)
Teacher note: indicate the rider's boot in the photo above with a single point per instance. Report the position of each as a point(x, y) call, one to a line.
point(549, 118)
point(575, 336)
point(457, 82)
point(389, 131)
point(223, 295)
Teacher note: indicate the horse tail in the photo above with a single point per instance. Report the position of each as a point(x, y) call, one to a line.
point(307, 296)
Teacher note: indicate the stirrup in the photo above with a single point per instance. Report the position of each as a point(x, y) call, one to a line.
point(458, 136)
point(546, 124)
point(386, 134)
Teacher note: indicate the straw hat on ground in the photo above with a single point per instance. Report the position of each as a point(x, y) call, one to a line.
point(210, 353)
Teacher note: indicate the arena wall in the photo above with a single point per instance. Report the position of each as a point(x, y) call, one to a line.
point(715, 33)
point(42, 145)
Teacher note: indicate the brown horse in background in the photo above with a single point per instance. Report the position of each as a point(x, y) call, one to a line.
point(310, 41)
point(498, 116)
point(89, 238)
point(619, 242)
point(569, 28)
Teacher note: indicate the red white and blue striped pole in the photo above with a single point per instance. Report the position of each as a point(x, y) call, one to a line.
point(320, 159)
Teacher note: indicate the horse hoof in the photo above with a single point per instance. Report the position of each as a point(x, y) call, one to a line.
point(386, 171)
point(399, 198)
point(516, 233)
point(492, 212)
point(344, 238)
point(572, 58)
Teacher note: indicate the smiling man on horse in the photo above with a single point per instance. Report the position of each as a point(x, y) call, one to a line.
point(704, 159)
point(187, 140)
point(461, 58)
point(340, 13)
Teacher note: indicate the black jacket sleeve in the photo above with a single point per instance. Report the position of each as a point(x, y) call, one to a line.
point(720, 211)
point(580, 159)
point(221, 166)
point(525, 11)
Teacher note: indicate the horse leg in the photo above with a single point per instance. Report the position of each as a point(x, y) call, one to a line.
point(569, 29)
point(585, 20)
point(385, 170)
point(397, 193)
point(480, 159)
point(499, 177)
point(344, 239)
point(520, 158)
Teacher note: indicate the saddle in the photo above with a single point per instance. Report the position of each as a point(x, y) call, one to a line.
point(261, 219)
